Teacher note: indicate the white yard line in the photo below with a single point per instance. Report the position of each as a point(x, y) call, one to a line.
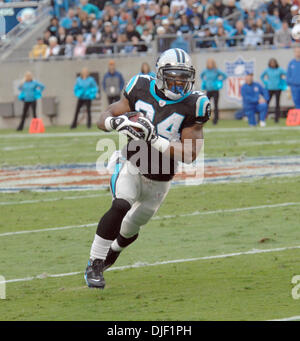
point(206, 130)
point(143, 264)
point(293, 318)
point(233, 210)
point(3, 203)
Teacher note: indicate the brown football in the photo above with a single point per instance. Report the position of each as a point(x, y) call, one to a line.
point(134, 116)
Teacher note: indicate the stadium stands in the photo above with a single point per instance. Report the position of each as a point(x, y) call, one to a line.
point(94, 27)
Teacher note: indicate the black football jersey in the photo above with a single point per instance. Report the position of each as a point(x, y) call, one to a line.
point(169, 118)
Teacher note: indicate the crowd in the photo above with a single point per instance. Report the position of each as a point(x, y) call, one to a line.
point(83, 27)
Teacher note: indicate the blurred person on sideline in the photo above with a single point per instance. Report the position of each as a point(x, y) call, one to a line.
point(113, 83)
point(293, 78)
point(146, 70)
point(273, 78)
point(31, 91)
point(212, 82)
point(255, 100)
point(85, 90)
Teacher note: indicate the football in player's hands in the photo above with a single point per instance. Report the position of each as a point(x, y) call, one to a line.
point(133, 116)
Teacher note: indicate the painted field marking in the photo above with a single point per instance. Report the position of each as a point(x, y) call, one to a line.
point(86, 134)
point(293, 318)
point(144, 264)
point(233, 210)
point(3, 203)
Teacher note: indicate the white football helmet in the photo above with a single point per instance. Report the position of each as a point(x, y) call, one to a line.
point(175, 73)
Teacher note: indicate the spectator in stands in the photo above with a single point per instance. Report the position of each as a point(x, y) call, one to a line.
point(212, 82)
point(66, 22)
point(68, 49)
point(89, 8)
point(53, 27)
point(80, 47)
point(238, 34)
point(147, 36)
point(181, 43)
point(166, 25)
point(294, 11)
point(272, 5)
point(254, 36)
point(113, 83)
point(146, 70)
point(285, 10)
point(61, 36)
point(283, 36)
point(206, 41)
point(255, 100)
point(93, 36)
point(39, 49)
point(75, 29)
point(31, 91)
point(53, 48)
point(46, 37)
point(293, 79)
point(60, 7)
point(85, 90)
point(219, 7)
point(268, 35)
point(273, 78)
point(108, 33)
point(232, 11)
point(221, 38)
point(131, 31)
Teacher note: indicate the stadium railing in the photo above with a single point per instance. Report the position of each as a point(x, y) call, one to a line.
point(195, 44)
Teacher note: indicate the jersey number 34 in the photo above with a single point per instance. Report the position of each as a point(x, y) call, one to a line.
point(167, 128)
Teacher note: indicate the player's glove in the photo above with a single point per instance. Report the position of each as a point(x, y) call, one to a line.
point(148, 128)
point(124, 126)
point(151, 136)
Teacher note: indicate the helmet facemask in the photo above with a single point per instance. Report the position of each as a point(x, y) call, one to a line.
point(176, 81)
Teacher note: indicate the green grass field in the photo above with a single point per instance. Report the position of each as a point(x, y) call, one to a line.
point(191, 262)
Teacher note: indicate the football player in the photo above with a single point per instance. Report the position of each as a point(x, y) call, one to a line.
point(173, 114)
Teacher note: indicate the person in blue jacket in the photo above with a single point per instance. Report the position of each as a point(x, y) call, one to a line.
point(255, 100)
point(30, 91)
point(212, 81)
point(274, 79)
point(85, 89)
point(293, 77)
point(113, 83)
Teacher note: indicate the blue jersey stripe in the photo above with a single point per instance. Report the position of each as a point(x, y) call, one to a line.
point(114, 177)
point(131, 84)
point(203, 100)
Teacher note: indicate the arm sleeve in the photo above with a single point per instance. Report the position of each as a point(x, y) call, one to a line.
point(104, 82)
point(282, 73)
point(263, 75)
point(130, 90)
point(264, 92)
point(222, 74)
point(40, 85)
point(121, 81)
point(201, 114)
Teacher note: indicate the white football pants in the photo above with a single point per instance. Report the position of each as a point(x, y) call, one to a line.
point(143, 194)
